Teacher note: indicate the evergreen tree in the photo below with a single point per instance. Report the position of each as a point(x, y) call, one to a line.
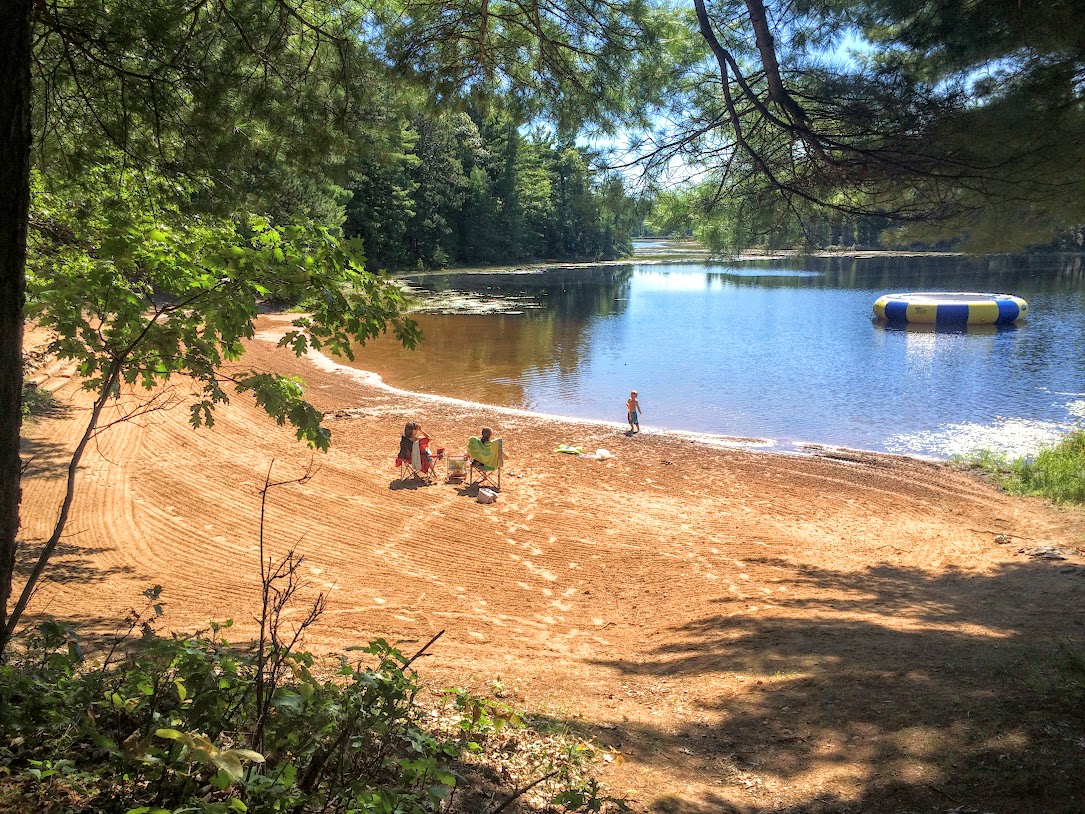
point(381, 204)
point(951, 116)
point(476, 193)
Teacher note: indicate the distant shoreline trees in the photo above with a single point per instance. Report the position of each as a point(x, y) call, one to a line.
point(726, 226)
point(470, 189)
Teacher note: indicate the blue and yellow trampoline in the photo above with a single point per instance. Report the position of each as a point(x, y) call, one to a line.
point(949, 309)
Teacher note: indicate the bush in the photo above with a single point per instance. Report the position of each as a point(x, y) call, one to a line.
point(37, 401)
point(176, 725)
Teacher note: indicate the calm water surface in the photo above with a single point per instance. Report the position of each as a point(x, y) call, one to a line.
point(782, 350)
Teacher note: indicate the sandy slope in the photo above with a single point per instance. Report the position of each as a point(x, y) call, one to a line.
point(751, 631)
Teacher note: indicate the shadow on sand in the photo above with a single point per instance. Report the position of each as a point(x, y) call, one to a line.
point(44, 459)
point(958, 695)
point(411, 483)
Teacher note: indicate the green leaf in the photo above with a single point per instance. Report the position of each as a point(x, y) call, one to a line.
point(248, 754)
point(288, 775)
point(440, 792)
point(223, 779)
point(230, 763)
point(289, 701)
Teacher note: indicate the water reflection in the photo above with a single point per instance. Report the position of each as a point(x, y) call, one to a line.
point(1043, 273)
point(497, 358)
point(775, 349)
point(926, 328)
point(571, 292)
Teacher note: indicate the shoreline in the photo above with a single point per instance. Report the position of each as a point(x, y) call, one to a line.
point(685, 251)
point(772, 446)
point(693, 252)
point(796, 447)
point(325, 363)
point(940, 433)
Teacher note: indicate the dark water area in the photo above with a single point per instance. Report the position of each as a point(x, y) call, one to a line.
point(784, 350)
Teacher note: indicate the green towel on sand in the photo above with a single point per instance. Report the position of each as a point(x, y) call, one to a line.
point(568, 450)
point(488, 454)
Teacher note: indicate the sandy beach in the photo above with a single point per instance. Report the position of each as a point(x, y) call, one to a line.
point(750, 631)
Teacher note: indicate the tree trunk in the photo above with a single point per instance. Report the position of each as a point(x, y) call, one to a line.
point(15, 144)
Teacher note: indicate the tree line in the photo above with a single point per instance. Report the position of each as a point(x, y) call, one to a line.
point(733, 224)
point(464, 188)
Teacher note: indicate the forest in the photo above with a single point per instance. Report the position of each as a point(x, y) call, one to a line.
point(458, 191)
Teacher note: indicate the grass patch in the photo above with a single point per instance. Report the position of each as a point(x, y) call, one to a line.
point(1056, 473)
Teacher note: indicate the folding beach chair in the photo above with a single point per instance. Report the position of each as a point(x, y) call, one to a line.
point(486, 460)
point(419, 465)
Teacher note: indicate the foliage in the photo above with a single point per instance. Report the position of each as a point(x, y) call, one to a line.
point(746, 217)
point(164, 725)
point(37, 401)
point(473, 189)
point(573, 63)
point(1056, 473)
point(944, 119)
point(159, 293)
point(274, 107)
point(256, 102)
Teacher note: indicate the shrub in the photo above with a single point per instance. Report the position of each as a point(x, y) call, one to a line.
point(169, 725)
point(37, 401)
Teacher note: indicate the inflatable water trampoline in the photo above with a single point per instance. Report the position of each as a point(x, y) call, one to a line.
point(945, 308)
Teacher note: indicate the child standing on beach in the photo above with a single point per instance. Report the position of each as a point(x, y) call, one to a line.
point(632, 411)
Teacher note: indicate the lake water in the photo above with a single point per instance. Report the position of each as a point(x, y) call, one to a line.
point(782, 350)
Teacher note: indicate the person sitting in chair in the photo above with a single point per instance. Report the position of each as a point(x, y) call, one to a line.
point(486, 452)
point(406, 441)
point(424, 442)
point(412, 433)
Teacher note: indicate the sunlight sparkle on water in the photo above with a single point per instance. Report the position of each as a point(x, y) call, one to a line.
point(1013, 438)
